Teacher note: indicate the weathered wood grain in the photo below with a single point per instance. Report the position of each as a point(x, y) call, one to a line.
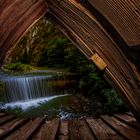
point(64, 130)
point(5, 129)
point(130, 120)
point(102, 131)
point(124, 15)
point(104, 128)
point(125, 117)
point(122, 128)
point(25, 130)
point(6, 118)
point(80, 131)
point(16, 16)
point(47, 131)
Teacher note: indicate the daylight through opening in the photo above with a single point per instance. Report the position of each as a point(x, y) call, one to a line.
point(46, 75)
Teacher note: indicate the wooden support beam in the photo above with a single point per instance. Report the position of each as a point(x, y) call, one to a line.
point(16, 17)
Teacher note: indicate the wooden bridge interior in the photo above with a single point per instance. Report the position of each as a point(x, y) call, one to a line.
point(117, 127)
point(107, 32)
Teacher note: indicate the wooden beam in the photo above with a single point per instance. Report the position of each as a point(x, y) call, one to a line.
point(16, 17)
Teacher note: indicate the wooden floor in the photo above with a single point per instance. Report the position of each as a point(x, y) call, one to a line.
point(117, 127)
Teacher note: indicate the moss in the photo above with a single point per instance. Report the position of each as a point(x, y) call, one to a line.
point(16, 111)
point(17, 67)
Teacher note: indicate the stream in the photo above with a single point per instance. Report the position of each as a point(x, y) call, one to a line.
point(40, 93)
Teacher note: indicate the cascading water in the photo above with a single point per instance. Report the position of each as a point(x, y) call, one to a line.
point(24, 88)
point(38, 93)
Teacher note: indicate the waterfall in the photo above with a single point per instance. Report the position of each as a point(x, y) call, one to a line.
point(24, 88)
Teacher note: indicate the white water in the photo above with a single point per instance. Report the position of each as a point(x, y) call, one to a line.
point(30, 103)
point(24, 88)
point(30, 91)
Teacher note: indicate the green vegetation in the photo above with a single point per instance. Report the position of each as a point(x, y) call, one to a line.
point(114, 101)
point(17, 67)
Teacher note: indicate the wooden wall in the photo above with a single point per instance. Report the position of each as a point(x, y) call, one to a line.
point(16, 16)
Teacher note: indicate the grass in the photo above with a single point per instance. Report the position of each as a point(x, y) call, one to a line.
point(27, 69)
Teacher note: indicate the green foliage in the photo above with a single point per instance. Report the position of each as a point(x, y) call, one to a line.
point(15, 111)
point(113, 100)
point(17, 67)
point(53, 55)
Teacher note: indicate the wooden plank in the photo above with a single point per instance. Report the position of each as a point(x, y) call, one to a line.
point(99, 62)
point(129, 120)
point(97, 129)
point(26, 130)
point(125, 117)
point(47, 131)
point(10, 126)
point(113, 134)
point(130, 114)
point(80, 131)
point(5, 119)
point(2, 114)
point(122, 128)
point(102, 131)
point(64, 130)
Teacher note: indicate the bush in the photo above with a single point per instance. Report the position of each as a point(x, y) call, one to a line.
point(17, 67)
point(114, 101)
